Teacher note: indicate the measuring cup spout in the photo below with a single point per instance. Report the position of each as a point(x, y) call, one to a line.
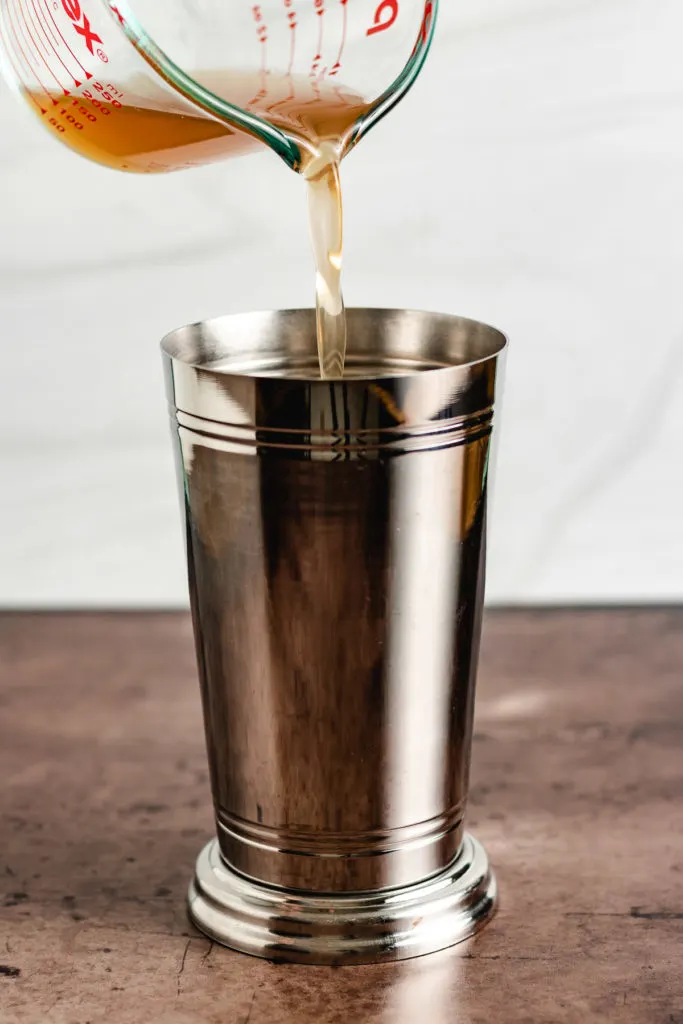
point(148, 87)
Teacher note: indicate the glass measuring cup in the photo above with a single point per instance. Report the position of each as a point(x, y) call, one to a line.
point(149, 87)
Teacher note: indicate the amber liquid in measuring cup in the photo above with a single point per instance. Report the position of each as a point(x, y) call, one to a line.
point(131, 135)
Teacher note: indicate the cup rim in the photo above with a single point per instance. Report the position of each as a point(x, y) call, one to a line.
point(179, 347)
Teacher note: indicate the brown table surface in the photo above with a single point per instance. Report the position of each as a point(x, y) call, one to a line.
point(577, 793)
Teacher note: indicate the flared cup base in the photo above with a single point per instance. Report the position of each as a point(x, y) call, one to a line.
point(393, 924)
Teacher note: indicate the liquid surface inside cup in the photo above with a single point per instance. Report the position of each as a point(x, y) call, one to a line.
point(306, 368)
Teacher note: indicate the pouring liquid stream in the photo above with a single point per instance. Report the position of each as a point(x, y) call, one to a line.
point(325, 221)
point(130, 133)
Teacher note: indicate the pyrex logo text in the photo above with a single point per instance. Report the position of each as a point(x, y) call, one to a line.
point(73, 10)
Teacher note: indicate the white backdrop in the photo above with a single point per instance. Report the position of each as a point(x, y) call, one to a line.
point(533, 179)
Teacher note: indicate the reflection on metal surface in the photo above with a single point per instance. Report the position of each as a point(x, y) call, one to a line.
point(428, 991)
point(343, 929)
point(336, 539)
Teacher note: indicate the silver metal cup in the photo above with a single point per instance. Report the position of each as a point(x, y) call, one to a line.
point(335, 544)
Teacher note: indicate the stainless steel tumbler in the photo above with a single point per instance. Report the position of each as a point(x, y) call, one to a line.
point(335, 544)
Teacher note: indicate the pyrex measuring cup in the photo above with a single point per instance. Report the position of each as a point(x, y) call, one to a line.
point(147, 86)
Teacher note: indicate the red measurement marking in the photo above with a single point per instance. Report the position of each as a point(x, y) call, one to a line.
point(52, 31)
point(291, 21)
point(35, 24)
point(51, 44)
point(38, 22)
point(292, 94)
point(59, 33)
point(385, 16)
point(319, 7)
point(263, 91)
point(10, 54)
point(316, 95)
point(262, 36)
point(117, 12)
point(27, 62)
point(260, 95)
point(35, 47)
point(337, 64)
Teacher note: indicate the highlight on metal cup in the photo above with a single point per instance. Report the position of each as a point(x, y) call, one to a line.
point(335, 537)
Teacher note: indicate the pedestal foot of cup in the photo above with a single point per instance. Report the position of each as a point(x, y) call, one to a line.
point(393, 924)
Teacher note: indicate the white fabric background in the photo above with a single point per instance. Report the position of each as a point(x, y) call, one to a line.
point(533, 179)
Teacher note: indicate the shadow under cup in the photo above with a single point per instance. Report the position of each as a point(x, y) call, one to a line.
point(335, 545)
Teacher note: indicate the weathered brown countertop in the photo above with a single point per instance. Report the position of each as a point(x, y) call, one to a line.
point(577, 794)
